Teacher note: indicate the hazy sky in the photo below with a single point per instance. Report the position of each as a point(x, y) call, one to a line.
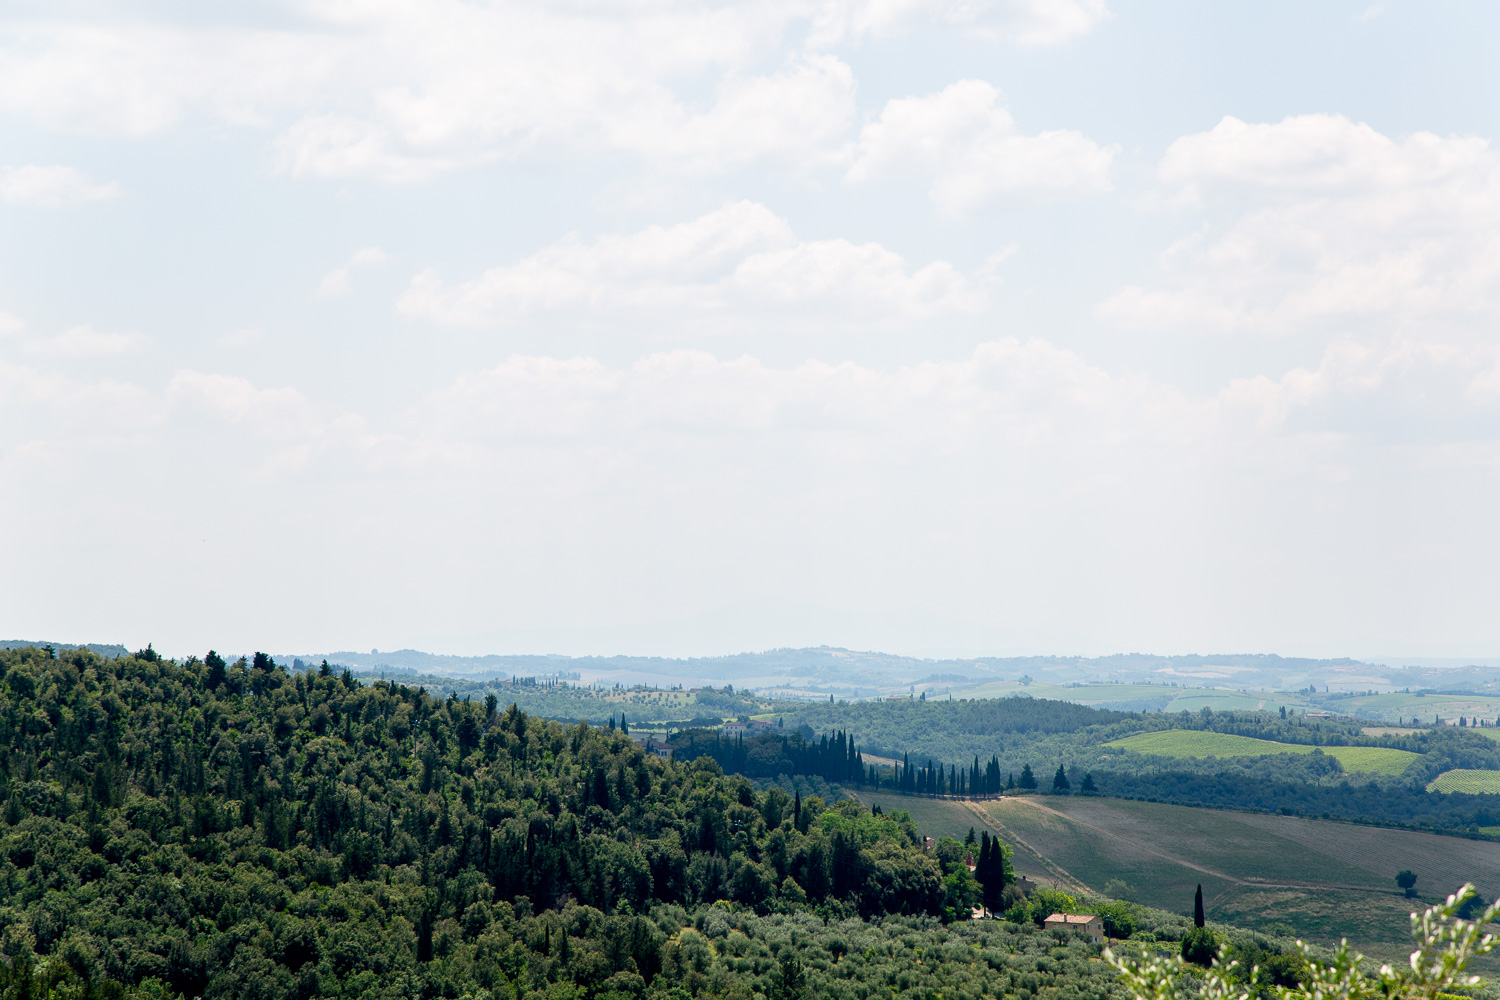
point(691, 327)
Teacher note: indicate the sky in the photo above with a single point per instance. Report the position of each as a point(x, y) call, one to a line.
point(942, 328)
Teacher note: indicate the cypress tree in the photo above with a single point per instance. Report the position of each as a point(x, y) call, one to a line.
point(1198, 907)
point(995, 883)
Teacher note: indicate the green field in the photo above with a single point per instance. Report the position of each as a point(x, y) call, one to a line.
point(1473, 782)
point(1196, 743)
point(1317, 879)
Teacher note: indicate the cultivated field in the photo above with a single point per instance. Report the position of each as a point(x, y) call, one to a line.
point(1281, 874)
point(1195, 743)
point(1473, 782)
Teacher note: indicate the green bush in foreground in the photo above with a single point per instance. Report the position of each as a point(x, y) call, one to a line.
point(1445, 945)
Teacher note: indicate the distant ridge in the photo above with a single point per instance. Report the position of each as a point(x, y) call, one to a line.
point(824, 670)
point(111, 650)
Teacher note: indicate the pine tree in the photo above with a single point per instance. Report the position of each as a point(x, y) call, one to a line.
point(789, 982)
point(1060, 780)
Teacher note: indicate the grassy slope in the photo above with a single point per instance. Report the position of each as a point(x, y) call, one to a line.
point(1318, 879)
point(1194, 743)
point(1473, 782)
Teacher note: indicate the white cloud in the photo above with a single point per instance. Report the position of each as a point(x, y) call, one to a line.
point(10, 324)
point(52, 187)
point(44, 404)
point(736, 261)
point(84, 341)
point(1322, 154)
point(967, 144)
point(613, 489)
point(242, 337)
point(796, 116)
point(234, 399)
point(1010, 405)
point(277, 431)
point(402, 90)
point(993, 397)
point(1029, 22)
point(335, 283)
point(1320, 225)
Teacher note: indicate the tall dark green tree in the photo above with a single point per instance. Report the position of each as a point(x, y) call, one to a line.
point(217, 670)
point(1060, 780)
point(1198, 907)
point(789, 981)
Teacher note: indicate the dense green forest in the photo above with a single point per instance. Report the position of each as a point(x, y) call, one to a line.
point(768, 755)
point(233, 829)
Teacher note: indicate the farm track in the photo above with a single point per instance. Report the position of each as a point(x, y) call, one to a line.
point(1231, 879)
point(1064, 877)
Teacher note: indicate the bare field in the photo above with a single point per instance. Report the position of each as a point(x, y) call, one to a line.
point(1318, 879)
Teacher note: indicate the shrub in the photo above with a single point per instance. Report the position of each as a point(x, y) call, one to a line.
point(1199, 946)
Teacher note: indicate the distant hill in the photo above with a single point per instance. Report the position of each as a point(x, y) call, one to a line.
point(111, 651)
point(817, 672)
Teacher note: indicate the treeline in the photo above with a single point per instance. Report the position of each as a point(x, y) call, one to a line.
point(237, 830)
point(835, 759)
point(931, 779)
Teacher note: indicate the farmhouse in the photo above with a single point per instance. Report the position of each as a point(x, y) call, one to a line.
point(1089, 923)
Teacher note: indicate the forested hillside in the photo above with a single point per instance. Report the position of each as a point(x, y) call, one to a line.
point(315, 835)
